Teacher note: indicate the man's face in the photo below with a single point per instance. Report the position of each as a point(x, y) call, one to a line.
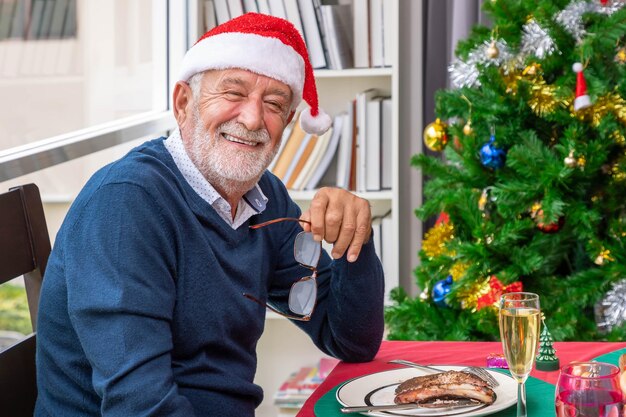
point(237, 121)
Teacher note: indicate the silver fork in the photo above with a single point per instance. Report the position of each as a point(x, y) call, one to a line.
point(475, 370)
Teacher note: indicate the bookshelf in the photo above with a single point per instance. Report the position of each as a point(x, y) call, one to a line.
point(284, 348)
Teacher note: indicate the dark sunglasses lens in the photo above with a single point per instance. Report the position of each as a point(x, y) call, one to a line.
point(306, 250)
point(302, 296)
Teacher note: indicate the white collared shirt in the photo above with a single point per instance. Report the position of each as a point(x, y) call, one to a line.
point(253, 202)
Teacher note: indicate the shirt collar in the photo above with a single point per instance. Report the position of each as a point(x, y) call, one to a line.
point(253, 202)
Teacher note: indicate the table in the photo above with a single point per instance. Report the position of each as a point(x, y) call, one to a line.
point(449, 353)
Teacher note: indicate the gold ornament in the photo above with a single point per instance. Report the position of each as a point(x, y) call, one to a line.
point(436, 136)
point(581, 161)
point(467, 129)
point(620, 55)
point(570, 160)
point(492, 50)
point(435, 240)
point(603, 257)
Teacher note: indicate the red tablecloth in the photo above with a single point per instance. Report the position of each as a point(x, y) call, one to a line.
point(449, 353)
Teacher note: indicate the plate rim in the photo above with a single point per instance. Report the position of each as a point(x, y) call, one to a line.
point(453, 366)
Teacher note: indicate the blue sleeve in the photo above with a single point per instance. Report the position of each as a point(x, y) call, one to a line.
point(121, 289)
point(348, 320)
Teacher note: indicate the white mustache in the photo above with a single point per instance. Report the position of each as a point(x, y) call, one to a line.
point(237, 129)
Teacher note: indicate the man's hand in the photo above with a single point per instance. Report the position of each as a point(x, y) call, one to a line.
point(341, 218)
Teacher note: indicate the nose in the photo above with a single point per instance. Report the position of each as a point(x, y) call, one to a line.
point(251, 114)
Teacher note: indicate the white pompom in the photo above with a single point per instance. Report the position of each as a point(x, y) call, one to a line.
point(315, 125)
point(577, 67)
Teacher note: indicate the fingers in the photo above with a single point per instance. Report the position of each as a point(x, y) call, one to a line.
point(340, 218)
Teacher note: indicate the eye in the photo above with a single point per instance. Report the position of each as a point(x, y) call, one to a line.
point(233, 94)
point(275, 106)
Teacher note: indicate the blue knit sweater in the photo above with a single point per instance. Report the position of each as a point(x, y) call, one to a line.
point(142, 312)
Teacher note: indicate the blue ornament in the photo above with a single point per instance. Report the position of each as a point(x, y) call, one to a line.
point(440, 290)
point(492, 156)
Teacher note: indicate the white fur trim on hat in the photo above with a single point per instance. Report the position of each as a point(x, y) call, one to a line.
point(315, 124)
point(263, 55)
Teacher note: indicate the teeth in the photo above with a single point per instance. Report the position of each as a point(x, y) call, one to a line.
point(238, 140)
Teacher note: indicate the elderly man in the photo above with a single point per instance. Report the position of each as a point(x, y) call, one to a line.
point(155, 293)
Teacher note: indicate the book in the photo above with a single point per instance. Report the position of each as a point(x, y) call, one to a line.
point(289, 151)
point(264, 6)
point(250, 6)
point(57, 20)
point(362, 98)
point(386, 162)
point(277, 8)
point(221, 11)
point(235, 8)
point(300, 160)
point(344, 152)
point(312, 33)
point(361, 28)
point(210, 19)
point(388, 30)
point(337, 22)
point(293, 14)
point(313, 160)
point(376, 33)
point(373, 144)
point(283, 140)
point(328, 154)
point(299, 385)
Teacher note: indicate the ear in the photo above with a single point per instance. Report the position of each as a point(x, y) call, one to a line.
point(182, 102)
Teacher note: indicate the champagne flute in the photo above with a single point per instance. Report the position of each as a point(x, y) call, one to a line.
point(519, 331)
point(589, 389)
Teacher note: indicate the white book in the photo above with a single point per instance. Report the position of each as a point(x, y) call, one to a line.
point(344, 156)
point(293, 14)
point(361, 139)
point(277, 8)
point(296, 158)
point(329, 153)
point(235, 8)
point(210, 19)
point(376, 33)
point(312, 34)
point(221, 11)
point(264, 6)
point(373, 139)
point(377, 238)
point(337, 21)
point(361, 27)
point(386, 180)
point(250, 6)
point(313, 160)
point(388, 51)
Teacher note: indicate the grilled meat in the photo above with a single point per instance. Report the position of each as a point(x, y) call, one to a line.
point(449, 385)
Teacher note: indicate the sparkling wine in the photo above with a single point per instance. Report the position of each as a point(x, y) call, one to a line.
point(519, 330)
point(589, 403)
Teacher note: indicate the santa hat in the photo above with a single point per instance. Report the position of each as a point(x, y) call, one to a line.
point(582, 100)
point(265, 45)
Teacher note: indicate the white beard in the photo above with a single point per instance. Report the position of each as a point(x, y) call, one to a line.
point(225, 168)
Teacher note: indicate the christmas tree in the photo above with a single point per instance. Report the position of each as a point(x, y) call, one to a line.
point(530, 189)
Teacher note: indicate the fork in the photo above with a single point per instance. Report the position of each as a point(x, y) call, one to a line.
point(475, 370)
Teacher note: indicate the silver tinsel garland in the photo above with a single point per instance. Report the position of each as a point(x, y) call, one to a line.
point(610, 311)
point(571, 18)
point(465, 73)
point(536, 41)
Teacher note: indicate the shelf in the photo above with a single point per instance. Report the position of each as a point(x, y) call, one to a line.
point(354, 72)
point(370, 195)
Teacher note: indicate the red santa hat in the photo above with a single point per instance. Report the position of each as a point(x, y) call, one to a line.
point(582, 100)
point(265, 45)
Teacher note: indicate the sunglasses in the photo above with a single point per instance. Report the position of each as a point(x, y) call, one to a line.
point(303, 293)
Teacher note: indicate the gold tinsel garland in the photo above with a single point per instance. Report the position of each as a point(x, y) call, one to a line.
point(435, 240)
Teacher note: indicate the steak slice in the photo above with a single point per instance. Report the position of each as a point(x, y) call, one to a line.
point(444, 386)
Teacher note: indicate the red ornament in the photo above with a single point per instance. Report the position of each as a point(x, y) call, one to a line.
point(443, 218)
point(582, 100)
point(604, 2)
point(495, 292)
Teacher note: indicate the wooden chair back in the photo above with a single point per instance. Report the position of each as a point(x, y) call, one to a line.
point(24, 250)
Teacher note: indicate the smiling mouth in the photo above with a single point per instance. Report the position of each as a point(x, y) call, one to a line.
point(235, 139)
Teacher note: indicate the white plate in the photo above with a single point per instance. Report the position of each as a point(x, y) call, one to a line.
point(379, 389)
